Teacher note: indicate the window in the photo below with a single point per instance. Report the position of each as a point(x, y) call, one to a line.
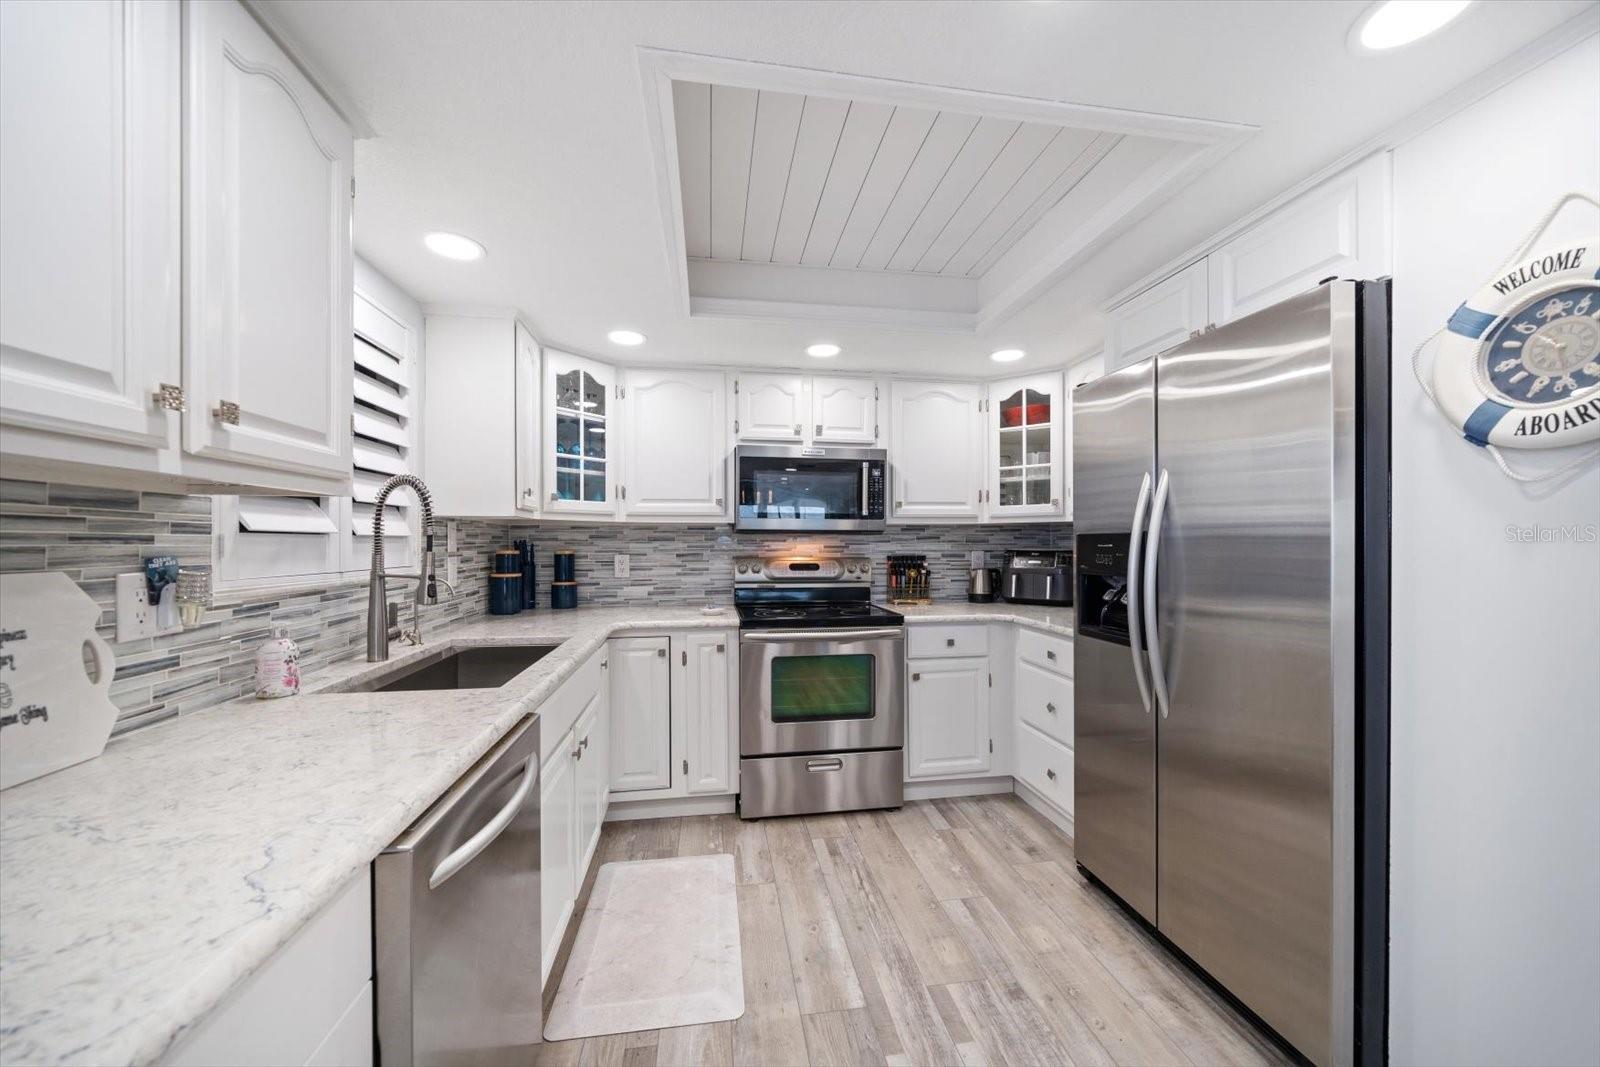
point(284, 540)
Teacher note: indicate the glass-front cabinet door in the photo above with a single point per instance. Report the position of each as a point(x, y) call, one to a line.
point(579, 401)
point(1027, 447)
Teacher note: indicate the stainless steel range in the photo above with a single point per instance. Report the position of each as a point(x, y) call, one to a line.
point(821, 690)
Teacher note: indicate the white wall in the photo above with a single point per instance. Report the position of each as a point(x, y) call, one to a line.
point(1495, 920)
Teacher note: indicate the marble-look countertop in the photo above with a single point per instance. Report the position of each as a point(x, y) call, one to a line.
point(138, 889)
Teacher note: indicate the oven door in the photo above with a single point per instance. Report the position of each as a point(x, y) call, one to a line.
point(829, 489)
point(821, 690)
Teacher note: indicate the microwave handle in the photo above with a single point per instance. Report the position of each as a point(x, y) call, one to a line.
point(864, 480)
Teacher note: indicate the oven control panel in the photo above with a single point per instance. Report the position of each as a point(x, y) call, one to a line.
point(844, 570)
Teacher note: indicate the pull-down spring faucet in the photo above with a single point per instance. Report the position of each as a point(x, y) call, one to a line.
point(377, 589)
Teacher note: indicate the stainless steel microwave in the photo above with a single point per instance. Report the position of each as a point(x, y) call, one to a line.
point(788, 487)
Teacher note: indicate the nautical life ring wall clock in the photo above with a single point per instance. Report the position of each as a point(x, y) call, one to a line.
point(1518, 364)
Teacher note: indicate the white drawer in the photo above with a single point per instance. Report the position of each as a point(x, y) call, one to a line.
point(561, 709)
point(1044, 700)
point(927, 642)
point(1045, 765)
point(1045, 650)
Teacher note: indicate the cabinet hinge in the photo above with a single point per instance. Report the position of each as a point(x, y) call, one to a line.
point(991, 681)
point(622, 492)
point(874, 431)
point(686, 663)
point(622, 392)
point(991, 745)
point(736, 385)
point(352, 187)
point(685, 766)
point(735, 425)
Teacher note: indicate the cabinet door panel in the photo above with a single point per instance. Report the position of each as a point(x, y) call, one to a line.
point(268, 271)
point(579, 409)
point(1158, 318)
point(558, 847)
point(947, 718)
point(641, 713)
point(527, 412)
point(1083, 371)
point(1340, 228)
point(89, 211)
point(844, 411)
point(677, 462)
point(709, 689)
point(937, 449)
point(588, 738)
point(771, 407)
point(1026, 418)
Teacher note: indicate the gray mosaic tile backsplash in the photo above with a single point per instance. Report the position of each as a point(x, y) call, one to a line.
point(695, 563)
point(95, 534)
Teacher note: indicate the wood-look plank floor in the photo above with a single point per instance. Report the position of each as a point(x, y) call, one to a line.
point(951, 932)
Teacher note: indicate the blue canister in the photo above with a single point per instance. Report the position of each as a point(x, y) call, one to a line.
point(530, 574)
point(563, 594)
point(566, 565)
point(505, 594)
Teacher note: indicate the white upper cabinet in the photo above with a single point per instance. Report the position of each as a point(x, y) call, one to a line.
point(579, 399)
point(267, 245)
point(89, 213)
point(1339, 229)
point(1086, 370)
point(844, 411)
point(770, 407)
point(526, 414)
point(1027, 420)
point(936, 450)
point(675, 445)
point(1158, 318)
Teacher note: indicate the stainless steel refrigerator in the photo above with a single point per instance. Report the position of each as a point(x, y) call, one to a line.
point(1231, 710)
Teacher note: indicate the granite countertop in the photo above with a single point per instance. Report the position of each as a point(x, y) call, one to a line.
point(139, 888)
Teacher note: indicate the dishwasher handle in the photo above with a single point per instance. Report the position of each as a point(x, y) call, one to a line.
point(452, 864)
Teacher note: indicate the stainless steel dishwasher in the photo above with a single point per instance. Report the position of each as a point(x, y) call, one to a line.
point(456, 920)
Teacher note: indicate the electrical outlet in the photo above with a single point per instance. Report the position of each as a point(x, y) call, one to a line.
point(620, 565)
point(135, 617)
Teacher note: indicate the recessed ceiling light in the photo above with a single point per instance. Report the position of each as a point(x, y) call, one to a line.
point(823, 350)
point(1396, 23)
point(453, 246)
point(625, 337)
point(1007, 355)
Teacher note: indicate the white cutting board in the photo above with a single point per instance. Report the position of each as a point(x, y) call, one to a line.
point(55, 677)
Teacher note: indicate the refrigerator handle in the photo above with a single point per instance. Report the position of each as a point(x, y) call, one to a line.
point(1158, 674)
point(1135, 635)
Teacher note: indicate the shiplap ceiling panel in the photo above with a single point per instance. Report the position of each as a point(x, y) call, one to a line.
point(691, 106)
point(976, 158)
point(771, 153)
point(908, 128)
point(821, 123)
point(1015, 161)
point(864, 130)
point(1099, 147)
point(944, 142)
point(733, 129)
point(1065, 151)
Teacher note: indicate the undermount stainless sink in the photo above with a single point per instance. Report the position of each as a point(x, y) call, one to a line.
point(485, 667)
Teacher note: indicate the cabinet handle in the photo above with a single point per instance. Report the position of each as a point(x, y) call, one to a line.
point(722, 648)
point(719, 501)
point(169, 397)
point(1055, 502)
point(605, 663)
point(898, 504)
point(1051, 708)
point(553, 498)
point(1050, 654)
point(949, 642)
point(819, 430)
point(916, 677)
point(1048, 773)
point(661, 652)
point(226, 411)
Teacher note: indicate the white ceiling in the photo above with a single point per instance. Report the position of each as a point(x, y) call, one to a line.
point(522, 125)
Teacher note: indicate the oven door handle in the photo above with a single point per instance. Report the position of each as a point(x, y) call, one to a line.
point(893, 633)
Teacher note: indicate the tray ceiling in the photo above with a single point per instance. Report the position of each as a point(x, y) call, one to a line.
point(805, 195)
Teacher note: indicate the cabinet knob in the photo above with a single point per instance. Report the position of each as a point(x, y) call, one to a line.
point(722, 648)
point(949, 642)
point(797, 429)
point(1049, 654)
point(916, 677)
point(719, 501)
point(1048, 773)
point(604, 664)
point(227, 412)
point(169, 397)
point(1055, 502)
point(685, 766)
point(661, 652)
point(819, 430)
point(1051, 708)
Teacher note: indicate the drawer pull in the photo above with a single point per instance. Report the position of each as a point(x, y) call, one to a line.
point(916, 677)
point(834, 764)
point(949, 642)
point(1051, 708)
point(1048, 773)
point(1050, 654)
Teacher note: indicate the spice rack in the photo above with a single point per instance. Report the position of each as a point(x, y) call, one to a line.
point(909, 580)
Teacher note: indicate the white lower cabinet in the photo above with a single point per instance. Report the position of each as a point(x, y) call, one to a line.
point(573, 794)
point(1045, 766)
point(593, 782)
point(641, 713)
point(305, 1004)
point(707, 662)
point(947, 717)
point(558, 846)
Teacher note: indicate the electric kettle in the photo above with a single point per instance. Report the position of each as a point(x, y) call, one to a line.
point(983, 585)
